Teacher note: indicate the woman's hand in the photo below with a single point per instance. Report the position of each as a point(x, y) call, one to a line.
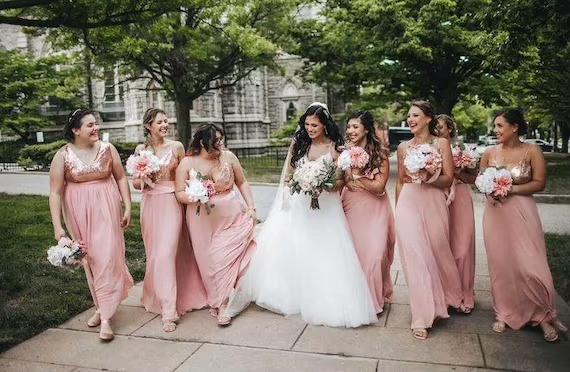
point(355, 185)
point(59, 233)
point(252, 213)
point(126, 220)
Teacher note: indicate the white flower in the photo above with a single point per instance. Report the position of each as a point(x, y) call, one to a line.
point(344, 160)
point(57, 255)
point(415, 160)
point(485, 180)
point(196, 191)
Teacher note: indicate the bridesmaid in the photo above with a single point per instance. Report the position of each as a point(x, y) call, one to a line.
point(87, 180)
point(163, 229)
point(461, 220)
point(521, 283)
point(422, 227)
point(367, 208)
point(223, 240)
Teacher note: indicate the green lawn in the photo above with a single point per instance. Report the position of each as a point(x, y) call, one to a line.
point(265, 169)
point(33, 294)
point(557, 174)
point(558, 252)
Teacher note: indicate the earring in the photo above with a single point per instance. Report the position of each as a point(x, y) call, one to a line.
point(326, 132)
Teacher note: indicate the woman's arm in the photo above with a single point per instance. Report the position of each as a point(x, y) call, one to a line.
point(123, 184)
point(378, 184)
point(56, 185)
point(243, 185)
point(180, 181)
point(137, 182)
point(446, 176)
point(401, 169)
point(538, 166)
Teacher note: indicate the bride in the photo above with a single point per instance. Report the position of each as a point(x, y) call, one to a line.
point(305, 262)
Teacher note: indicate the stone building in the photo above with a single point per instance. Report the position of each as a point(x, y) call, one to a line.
point(249, 111)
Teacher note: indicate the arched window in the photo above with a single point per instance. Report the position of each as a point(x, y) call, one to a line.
point(291, 113)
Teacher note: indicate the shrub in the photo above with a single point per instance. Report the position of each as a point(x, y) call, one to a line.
point(38, 156)
point(125, 149)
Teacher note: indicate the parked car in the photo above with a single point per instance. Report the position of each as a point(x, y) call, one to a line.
point(397, 135)
point(545, 146)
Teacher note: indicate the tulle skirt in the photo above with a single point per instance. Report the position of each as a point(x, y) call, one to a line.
point(521, 282)
point(93, 214)
point(306, 264)
point(371, 224)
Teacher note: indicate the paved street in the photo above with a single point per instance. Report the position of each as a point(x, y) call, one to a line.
point(259, 340)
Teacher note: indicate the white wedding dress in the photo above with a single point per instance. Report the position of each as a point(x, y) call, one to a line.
point(305, 263)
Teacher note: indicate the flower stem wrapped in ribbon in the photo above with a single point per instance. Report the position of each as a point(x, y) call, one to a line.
point(200, 189)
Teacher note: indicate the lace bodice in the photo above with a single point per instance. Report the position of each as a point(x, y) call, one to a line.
point(76, 170)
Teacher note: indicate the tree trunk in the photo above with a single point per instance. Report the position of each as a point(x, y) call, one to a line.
point(554, 136)
point(183, 106)
point(445, 100)
point(88, 70)
point(565, 134)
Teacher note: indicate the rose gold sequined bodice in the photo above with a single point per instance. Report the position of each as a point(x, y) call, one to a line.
point(167, 171)
point(223, 179)
point(78, 171)
point(521, 172)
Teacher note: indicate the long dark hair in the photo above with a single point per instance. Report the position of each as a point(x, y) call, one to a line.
point(428, 110)
point(513, 116)
point(73, 121)
point(373, 146)
point(204, 136)
point(301, 139)
point(148, 119)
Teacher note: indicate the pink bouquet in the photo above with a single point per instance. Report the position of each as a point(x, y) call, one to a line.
point(494, 181)
point(143, 165)
point(353, 157)
point(66, 253)
point(200, 189)
point(421, 157)
point(465, 158)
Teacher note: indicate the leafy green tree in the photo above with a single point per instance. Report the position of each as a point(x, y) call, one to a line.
point(205, 45)
point(27, 83)
point(404, 49)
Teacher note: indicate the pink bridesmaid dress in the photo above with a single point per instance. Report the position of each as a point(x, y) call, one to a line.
point(462, 238)
point(92, 212)
point(371, 224)
point(521, 282)
point(170, 288)
point(422, 236)
point(223, 240)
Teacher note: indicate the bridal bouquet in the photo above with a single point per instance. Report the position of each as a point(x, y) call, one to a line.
point(421, 157)
point(353, 157)
point(312, 178)
point(494, 181)
point(200, 189)
point(143, 165)
point(66, 253)
point(465, 158)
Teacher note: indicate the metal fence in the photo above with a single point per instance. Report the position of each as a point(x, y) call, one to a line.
point(9, 151)
point(268, 156)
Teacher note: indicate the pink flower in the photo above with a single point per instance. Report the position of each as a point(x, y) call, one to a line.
point(502, 186)
point(209, 185)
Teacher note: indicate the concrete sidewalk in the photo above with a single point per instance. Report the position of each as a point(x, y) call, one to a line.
point(259, 340)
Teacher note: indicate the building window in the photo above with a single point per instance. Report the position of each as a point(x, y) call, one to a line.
point(109, 85)
point(291, 113)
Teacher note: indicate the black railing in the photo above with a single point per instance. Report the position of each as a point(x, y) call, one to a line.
point(268, 156)
point(9, 152)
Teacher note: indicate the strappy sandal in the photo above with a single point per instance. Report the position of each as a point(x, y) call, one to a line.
point(420, 333)
point(106, 332)
point(499, 326)
point(213, 312)
point(560, 328)
point(550, 335)
point(168, 326)
point(223, 320)
point(95, 320)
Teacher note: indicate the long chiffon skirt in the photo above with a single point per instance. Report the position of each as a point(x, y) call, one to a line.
point(371, 224)
point(422, 235)
point(521, 282)
point(223, 243)
point(93, 214)
point(305, 264)
point(162, 230)
point(462, 240)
